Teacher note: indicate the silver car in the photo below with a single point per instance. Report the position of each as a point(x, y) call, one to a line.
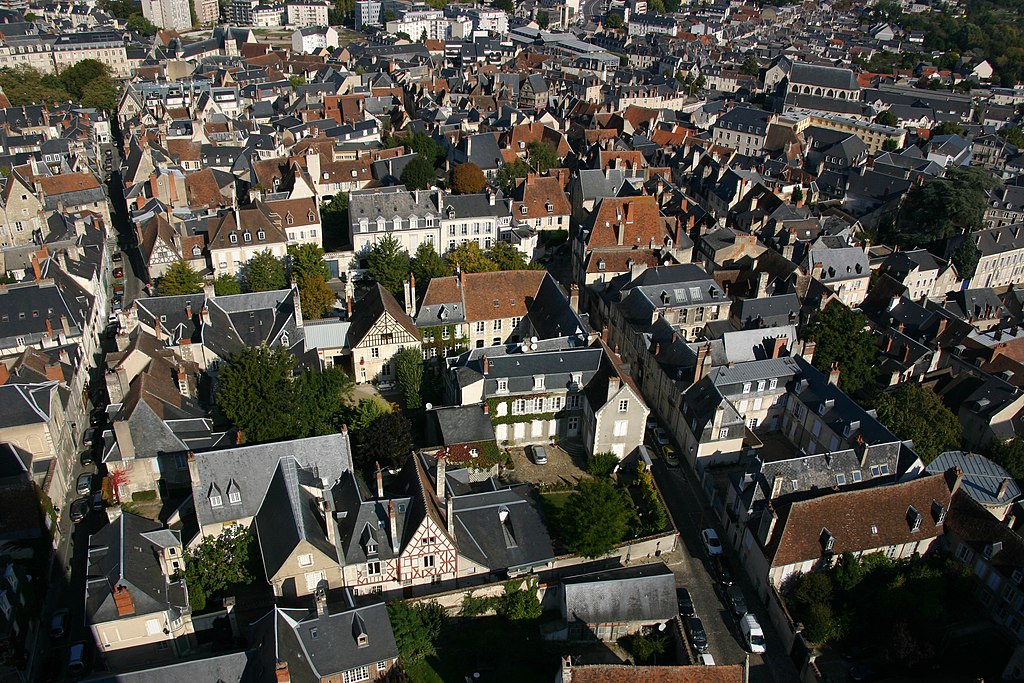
point(84, 484)
point(540, 455)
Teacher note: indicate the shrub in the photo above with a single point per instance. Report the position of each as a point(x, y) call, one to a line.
point(519, 605)
point(602, 464)
point(473, 606)
point(144, 496)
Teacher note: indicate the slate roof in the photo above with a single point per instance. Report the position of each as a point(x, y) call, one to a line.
point(502, 529)
point(845, 263)
point(368, 310)
point(367, 518)
point(976, 526)
point(251, 469)
point(242, 667)
point(860, 520)
point(982, 477)
point(519, 369)
point(823, 76)
point(120, 554)
point(644, 592)
point(26, 404)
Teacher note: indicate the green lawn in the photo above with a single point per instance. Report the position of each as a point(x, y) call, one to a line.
point(499, 650)
point(552, 505)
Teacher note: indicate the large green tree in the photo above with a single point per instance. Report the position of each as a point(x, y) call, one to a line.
point(307, 259)
point(470, 258)
point(217, 564)
point(509, 175)
point(388, 441)
point(917, 413)
point(542, 156)
point(1009, 454)
point(418, 174)
point(179, 279)
point(264, 272)
point(306, 262)
point(321, 405)
point(90, 84)
point(595, 517)
point(507, 257)
point(944, 207)
point(409, 373)
point(388, 264)
point(887, 118)
point(226, 285)
point(427, 264)
point(842, 337)
point(417, 629)
point(362, 415)
point(257, 393)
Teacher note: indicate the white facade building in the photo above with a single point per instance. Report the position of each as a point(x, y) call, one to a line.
point(307, 14)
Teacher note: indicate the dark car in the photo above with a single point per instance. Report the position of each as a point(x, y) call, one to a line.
point(79, 509)
point(117, 256)
point(723, 570)
point(698, 636)
point(685, 602)
point(86, 457)
point(84, 484)
point(59, 624)
point(737, 603)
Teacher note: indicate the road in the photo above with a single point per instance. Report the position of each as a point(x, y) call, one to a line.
point(691, 513)
point(591, 9)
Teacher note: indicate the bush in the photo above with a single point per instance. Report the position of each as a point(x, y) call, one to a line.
point(519, 605)
point(602, 464)
point(473, 606)
point(644, 647)
point(144, 496)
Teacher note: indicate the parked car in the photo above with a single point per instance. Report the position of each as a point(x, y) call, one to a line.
point(709, 537)
point(76, 659)
point(539, 455)
point(698, 636)
point(685, 602)
point(59, 624)
point(86, 457)
point(117, 256)
point(89, 436)
point(661, 436)
point(119, 272)
point(84, 484)
point(723, 570)
point(79, 509)
point(737, 603)
point(669, 453)
point(97, 502)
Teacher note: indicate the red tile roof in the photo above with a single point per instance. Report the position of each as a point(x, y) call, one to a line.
point(622, 673)
point(637, 219)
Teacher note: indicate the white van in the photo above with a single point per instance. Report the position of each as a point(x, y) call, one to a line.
point(753, 636)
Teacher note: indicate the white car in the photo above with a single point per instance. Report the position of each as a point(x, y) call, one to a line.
point(711, 542)
point(661, 436)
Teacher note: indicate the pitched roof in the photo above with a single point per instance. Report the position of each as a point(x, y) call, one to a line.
point(487, 296)
point(626, 221)
point(623, 673)
point(861, 520)
point(536, 193)
point(637, 593)
point(370, 307)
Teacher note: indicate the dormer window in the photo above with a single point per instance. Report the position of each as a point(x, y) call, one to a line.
point(196, 251)
point(363, 640)
point(235, 498)
point(216, 501)
point(233, 238)
point(828, 541)
point(550, 207)
point(914, 518)
point(523, 210)
point(290, 218)
point(538, 381)
point(247, 237)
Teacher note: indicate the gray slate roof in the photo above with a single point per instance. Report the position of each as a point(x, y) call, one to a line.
point(638, 593)
point(502, 529)
point(982, 477)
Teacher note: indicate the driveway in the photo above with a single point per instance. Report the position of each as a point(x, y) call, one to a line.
point(562, 468)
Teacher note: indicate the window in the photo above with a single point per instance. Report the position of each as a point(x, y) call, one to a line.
point(538, 381)
point(515, 322)
point(772, 383)
point(502, 385)
point(481, 327)
point(497, 325)
point(746, 387)
point(382, 666)
point(753, 423)
point(621, 427)
point(573, 424)
point(538, 405)
point(874, 471)
point(723, 433)
point(857, 476)
point(247, 237)
point(965, 554)
point(306, 560)
point(373, 568)
point(572, 401)
point(360, 673)
point(429, 561)
point(841, 479)
point(233, 238)
point(623, 405)
point(518, 406)
point(375, 352)
point(884, 468)
point(261, 235)
point(216, 501)
point(235, 497)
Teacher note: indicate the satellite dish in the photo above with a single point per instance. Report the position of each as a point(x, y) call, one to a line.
point(429, 406)
point(533, 340)
point(533, 347)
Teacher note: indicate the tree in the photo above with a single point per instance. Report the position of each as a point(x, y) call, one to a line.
point(750, 66)
point(297, 80)
point(264, 272)
point(798, 194)
point(948, 128)
point(89, 83)
point(811, 603)
point(467, 178)
point(887, 118)
point(543, 20)
point(1013, 135)
point(613, 21)
point(388, 264)
point(944, 207)
point(409, 373)
point(24, 85)
point(542, 156)
point(307, 259)
point(320, 406)
point(141, 25)
point(427, 264)
point(1009, 454)
point(596, 517)
point(644, 647)
point(507, 257)
point(890, 145)
point(418, 174)
point(388, 441)
point(257, 395)
point(470, 258)
point(218, 563)
point(841, 338)
point(656, 7)
point(179, 279)
point(226, 285)
point(365, 412)
point(509, 175)
point(417, 629)
point(507, 6)
point(519, 605)
point(965, 257)
point(917, 413)
point(602, 464)
point(389, 15)
point(315, 296)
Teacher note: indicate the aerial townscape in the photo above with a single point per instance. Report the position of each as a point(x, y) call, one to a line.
point(512, 341)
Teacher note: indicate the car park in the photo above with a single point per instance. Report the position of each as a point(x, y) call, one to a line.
point(79, 510)
point(737, 603)
point(698, 636)
point(84, 484)
point(713, 546)
point(685, 602)
point(59, 624)
point(539, 455)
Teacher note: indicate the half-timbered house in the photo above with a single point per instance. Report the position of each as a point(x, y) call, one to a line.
point(380, 329)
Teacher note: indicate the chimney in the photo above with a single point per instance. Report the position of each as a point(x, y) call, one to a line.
point(320, 596)
point(574, 297)
point(762, 285)
point(816, 270)
point(36, 269)
point(54, 373)
point(614, 382)
point(809, 347)
point(394, 526)
point(449, 509)
point(49, 328)
point(604, 334)
point(1004, 486)
point(942, 327)
point(209, 291)
point(123, 602)
point(411, 304)
point(486, 365)
point(703, 356)
point(905, 357)
point(65, 325)
point(380, 481)
point(441, 467)
point(349, 308)
point(833, 374)
point(779, 346)
point(767, 526)
point(281, 673)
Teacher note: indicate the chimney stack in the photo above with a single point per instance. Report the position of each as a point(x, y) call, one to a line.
point(380, 481)
point(486, 365)
point(833, 374)
point(441, 467)
point(320, 596)
point(36, 268)
point(1004, 486)
point(703, 356)
point(779, 346)
point(281, 673)
point(394, 526)
point(349, 308)
point(574, 298)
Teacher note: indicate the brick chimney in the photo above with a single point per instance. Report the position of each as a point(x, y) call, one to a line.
point(36, 268)
point(282, 674)
point(486, 365)
point(703, 353)
point(779, 346)
point(442, 463)
point(123, 602)
point(380, 480)
point(53, 372)
point(394, 526)
point(833, 374)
